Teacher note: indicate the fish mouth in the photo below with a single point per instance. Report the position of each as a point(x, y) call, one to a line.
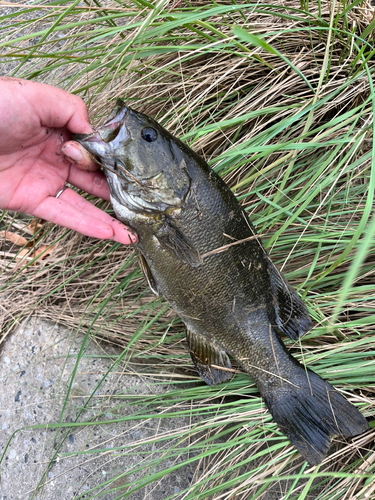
point(107, 146)
point(106, 143)
point(108, 137)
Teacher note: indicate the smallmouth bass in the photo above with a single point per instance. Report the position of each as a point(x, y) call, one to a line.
point(199, 250)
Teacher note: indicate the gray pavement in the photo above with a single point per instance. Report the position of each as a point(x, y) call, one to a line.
point(35, 374)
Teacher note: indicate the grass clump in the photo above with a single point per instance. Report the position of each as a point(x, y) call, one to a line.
point(279, 99)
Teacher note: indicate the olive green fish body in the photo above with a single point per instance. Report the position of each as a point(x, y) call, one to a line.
point(226, 296)
point(199, 250)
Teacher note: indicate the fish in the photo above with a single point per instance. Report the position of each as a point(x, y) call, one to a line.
point(199, 250)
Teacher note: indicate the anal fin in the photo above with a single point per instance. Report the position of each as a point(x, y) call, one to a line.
point(204, 355)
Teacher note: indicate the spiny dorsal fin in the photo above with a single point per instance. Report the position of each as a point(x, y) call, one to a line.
point(292, 317)
point(204, 355)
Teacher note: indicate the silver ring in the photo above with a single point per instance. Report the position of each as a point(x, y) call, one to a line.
point(61, 191)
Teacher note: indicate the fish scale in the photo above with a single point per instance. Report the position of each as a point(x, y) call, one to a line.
point(198, 249)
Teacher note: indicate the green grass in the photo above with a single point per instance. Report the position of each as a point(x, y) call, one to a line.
point(279, 100)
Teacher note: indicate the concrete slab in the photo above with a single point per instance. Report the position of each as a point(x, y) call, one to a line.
point(36, 366)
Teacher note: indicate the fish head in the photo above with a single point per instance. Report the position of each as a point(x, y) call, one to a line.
point(143, 163)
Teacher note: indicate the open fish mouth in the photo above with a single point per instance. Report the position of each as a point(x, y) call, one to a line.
point(113, 134)
point(107, 145)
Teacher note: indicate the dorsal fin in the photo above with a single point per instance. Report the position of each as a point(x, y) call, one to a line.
point(292, 317)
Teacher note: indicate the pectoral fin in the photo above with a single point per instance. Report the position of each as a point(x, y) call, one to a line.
point(292, 317)
point(204, 355)
point(173, 239)
point(147, 273)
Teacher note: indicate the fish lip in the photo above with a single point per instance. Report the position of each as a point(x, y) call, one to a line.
point(83, 139)
point(106, 138)
point(116, 123)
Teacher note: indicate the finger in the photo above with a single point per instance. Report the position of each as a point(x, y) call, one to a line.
point(74, 212)
point(79, 156)
point(54, 107)
point(61, 109)
point(92, 182)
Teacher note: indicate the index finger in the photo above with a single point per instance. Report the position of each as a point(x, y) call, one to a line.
point(93, 183)
point(54, 107)
point(74, 212)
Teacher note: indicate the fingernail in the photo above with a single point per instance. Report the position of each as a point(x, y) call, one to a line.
point(72, 153)
point(132, 235)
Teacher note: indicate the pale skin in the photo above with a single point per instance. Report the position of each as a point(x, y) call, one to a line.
point(37, 158)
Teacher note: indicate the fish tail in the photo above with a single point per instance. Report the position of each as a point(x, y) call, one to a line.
point(310, 411)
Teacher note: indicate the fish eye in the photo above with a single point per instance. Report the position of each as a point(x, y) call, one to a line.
point(149, 134)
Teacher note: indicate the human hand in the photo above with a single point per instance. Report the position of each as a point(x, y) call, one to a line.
point(36, 122)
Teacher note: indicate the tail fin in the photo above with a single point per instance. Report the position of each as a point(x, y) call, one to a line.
point(311, 411)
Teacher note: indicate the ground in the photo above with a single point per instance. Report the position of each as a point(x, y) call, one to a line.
point(35, 373)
